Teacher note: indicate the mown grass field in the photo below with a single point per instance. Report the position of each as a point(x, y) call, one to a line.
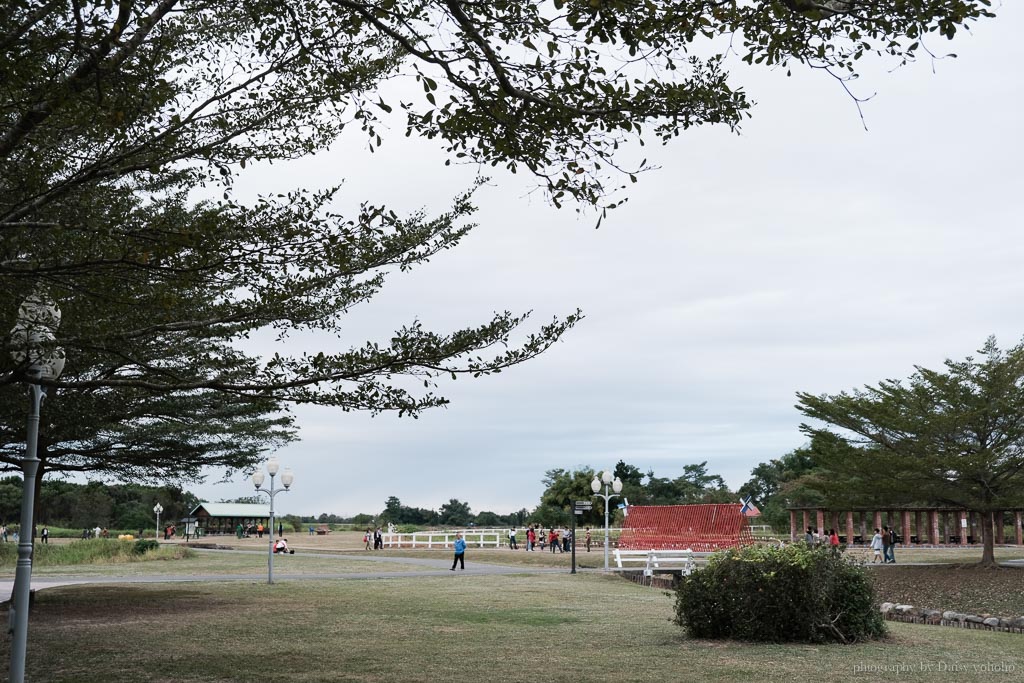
point(351, 542)
point(550, 627)
point(166, 562)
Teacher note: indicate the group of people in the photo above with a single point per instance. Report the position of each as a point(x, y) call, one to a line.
point(5, 534)
point(375, 536)
point(557, 541)
point(883, 545)
point(98, 532)
point(829, 538)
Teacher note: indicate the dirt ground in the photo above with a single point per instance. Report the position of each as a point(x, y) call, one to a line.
point(963, 588)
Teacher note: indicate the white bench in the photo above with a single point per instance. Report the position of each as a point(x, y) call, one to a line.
point(649, 561)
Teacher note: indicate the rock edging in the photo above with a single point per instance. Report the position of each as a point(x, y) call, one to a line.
point(934, 617)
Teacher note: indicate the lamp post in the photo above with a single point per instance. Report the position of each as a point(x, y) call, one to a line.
point(158, 508)
point(32, 340)
point(607, 479)
point(286, 479)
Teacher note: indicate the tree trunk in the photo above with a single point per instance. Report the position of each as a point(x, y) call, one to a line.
point(988, 555)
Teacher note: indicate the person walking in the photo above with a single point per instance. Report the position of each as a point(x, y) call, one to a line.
point(512, 539)
point(45, 535)
point(366, 538)
point(876, 546)
point(531, 538)
point(833, 541)
point(893, 540)
point(460, 553)
point(587, 537)
point(553, 540)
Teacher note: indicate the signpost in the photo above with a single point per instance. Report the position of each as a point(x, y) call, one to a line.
point(578, 508)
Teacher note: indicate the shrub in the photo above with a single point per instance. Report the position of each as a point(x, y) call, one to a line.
point(790, 594)
point(144, 545)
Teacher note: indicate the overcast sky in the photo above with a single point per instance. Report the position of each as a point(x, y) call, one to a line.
point(805, 254)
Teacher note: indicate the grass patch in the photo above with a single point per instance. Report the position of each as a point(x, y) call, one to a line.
point(199, 563)
point(96, 551)
point(558, 628)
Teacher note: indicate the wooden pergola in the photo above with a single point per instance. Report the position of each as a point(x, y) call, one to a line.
point(224, 518)
point(915, 524)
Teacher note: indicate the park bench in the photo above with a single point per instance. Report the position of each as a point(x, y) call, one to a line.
point(651, 561)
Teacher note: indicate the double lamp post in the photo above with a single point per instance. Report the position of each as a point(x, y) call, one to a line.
point(607, 479)
point(35, 351)
point(286, 479)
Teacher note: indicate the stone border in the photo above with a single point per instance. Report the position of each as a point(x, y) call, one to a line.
point(919, 615)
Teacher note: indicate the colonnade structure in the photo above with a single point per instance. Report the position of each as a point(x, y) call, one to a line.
point(915, 525)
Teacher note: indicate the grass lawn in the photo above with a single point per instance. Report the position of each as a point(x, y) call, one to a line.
point(550, 627)
point(219, 563)
point(349, 542)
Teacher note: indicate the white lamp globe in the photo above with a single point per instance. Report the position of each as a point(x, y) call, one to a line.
point(273, 466)
point(595, 485)
point(607, 477)
point(257, 479)
point(617, 485)
point(287, 477)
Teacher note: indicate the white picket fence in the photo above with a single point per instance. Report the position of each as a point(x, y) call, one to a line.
point(446, 539)
point(479, 538)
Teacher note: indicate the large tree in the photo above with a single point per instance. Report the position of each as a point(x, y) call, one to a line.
point(114, 114)
point(561, 488)
point(953, 437)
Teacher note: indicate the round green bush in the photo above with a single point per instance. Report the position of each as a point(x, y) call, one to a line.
point(144, 545)
point(790, 594)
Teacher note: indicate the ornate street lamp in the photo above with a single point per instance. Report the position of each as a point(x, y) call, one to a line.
point(257, 479)
point(607, 479)
point(36, 354)
point(158, 508)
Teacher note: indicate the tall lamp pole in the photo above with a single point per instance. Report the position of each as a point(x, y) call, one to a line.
point(33, 342)
point(607, 479)
point(286, 479)
point(158, 508)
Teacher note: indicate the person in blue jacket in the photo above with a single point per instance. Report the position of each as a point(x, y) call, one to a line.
point(460, 552)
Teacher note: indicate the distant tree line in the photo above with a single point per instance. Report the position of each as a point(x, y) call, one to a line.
point(113, 506)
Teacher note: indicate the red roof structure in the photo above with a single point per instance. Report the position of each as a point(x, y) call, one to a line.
point(701, 528)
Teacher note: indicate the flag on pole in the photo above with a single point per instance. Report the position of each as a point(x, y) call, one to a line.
point(749, 509)
point(624, 506)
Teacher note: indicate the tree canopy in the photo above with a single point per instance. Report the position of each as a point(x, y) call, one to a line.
point(953, 436)
point(111, 113)
point(782, 482)
point(562, 487)
point(125, 125)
